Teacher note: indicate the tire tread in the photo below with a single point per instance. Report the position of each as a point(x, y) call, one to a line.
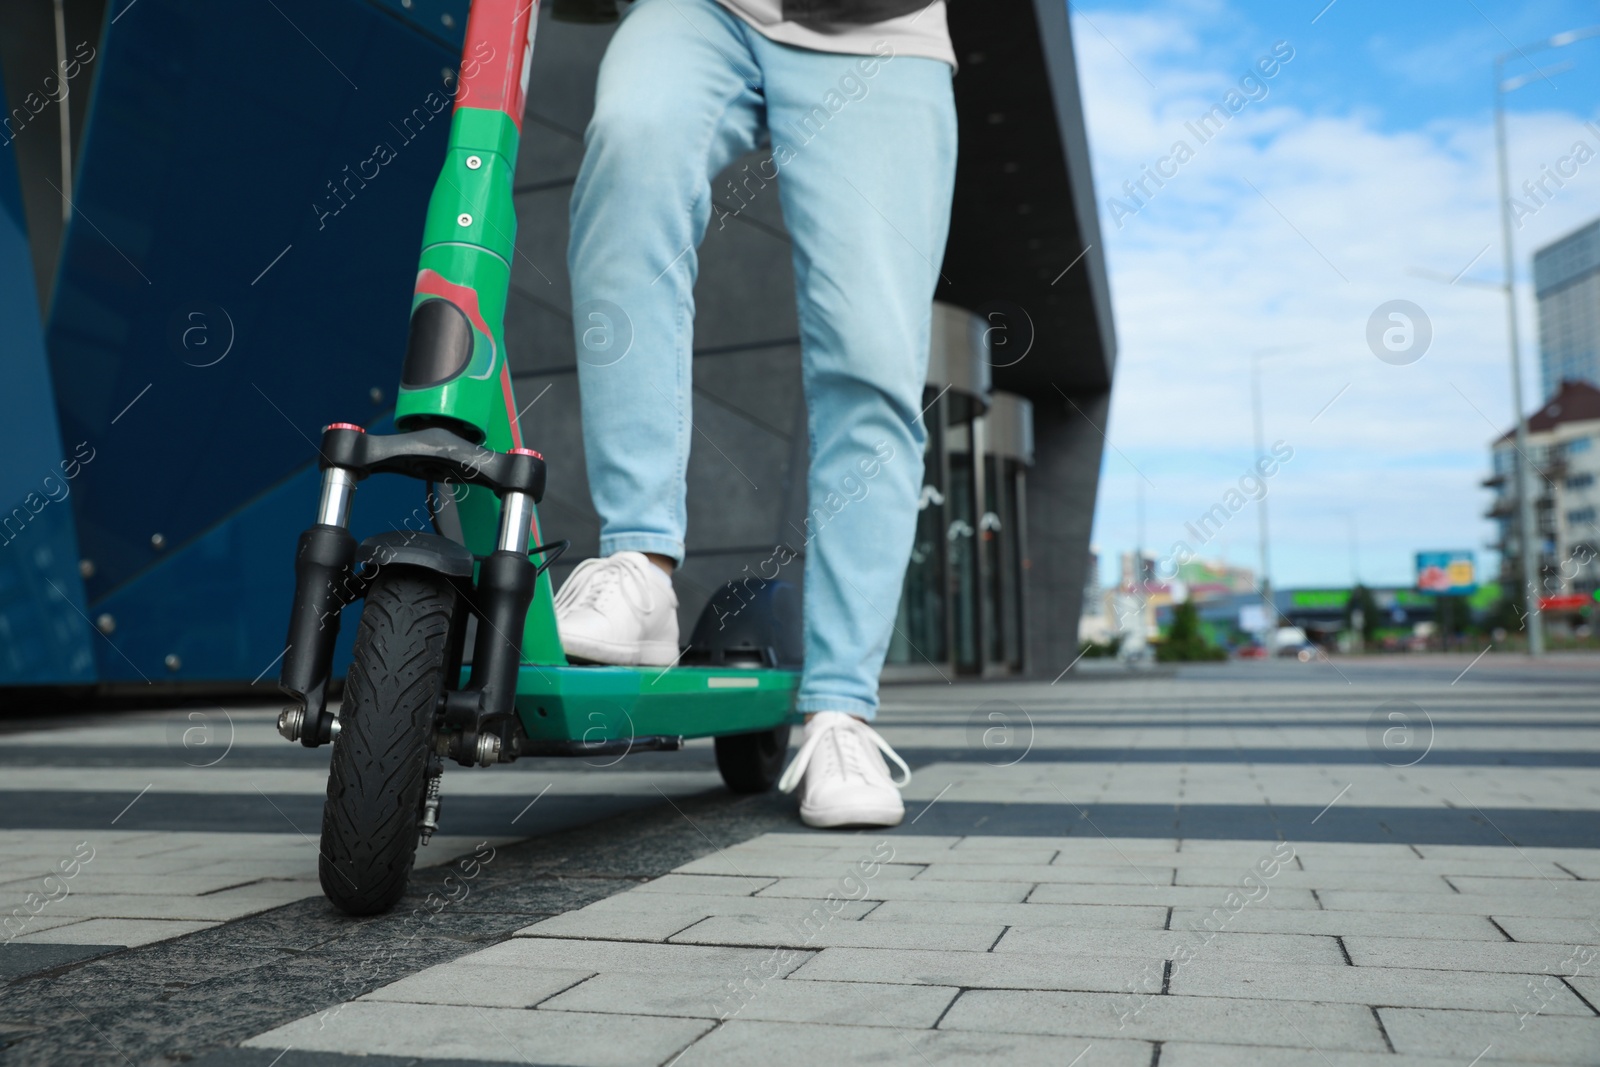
point(377, 775)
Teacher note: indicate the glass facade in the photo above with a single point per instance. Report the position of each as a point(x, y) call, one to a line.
point(961, 610)
point(919, 631)
point(1566, 278)
point(1000, 532)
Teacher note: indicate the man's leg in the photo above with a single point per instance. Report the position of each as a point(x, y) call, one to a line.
point(865, 147)
point(677, 100)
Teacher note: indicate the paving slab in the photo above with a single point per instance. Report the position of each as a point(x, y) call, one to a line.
point(1094, 971)
point(1506, 1035)
point(772, 1044)
point(841, 1003)
point(707, 885)
point(1115, 873)
point(1166, 1018)
point(496, 1034)
point(1582, 930)
point(1181, 896)
point(655, 924)
point(1346, 923)
point(1541, 904)
point(632, 958)
point(807, 864)
point(487, 987)
point(1387, 881)
point(1072, 916)
point(1013, 892)
point(1505, 956)
point(1396, 986)
point(1228, 945)
point(1565, 889)
point(128, 933)
point(819, 930)
point(218, 907)
point(1190, 1054)
point(109, 880)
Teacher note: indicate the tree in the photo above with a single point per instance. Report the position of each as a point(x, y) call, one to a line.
point(1510, 612)
point(1452, 615)
point(1361, 597)
point(1185, 642)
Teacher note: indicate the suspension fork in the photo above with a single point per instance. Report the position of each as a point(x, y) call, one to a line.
point(455, 372)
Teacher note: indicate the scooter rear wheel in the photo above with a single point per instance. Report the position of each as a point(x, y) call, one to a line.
point(377, 777)
point(751, 763)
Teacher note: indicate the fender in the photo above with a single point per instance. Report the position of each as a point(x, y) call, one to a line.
point(413, 549)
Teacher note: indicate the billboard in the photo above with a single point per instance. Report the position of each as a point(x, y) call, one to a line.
point(1446, 573)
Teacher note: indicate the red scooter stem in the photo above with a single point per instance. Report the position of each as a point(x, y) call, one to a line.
point(497, 55)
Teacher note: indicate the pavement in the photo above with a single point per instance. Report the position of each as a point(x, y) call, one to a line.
point(1389, 861)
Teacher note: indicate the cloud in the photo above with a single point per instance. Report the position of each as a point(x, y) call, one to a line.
point(1287, 230)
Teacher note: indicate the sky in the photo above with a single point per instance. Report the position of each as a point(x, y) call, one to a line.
point(1360, 172)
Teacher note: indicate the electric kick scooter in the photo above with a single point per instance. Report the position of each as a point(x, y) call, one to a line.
point(412, 698)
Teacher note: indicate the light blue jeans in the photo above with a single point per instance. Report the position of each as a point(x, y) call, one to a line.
point(863, 147)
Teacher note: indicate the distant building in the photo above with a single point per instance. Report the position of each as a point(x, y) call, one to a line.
point(1094, 624)
point(1566, 278)
point(1091, 583)
point(1138, 570)
point(1561, 445)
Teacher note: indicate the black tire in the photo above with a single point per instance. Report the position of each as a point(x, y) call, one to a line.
point(752, 763)
point(379, 768)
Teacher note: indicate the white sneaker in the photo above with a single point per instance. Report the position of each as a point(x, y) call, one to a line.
point(846, 782)
point(620, 610)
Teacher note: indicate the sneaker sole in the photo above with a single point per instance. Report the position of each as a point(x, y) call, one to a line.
point(841, 818)
point(644, 654)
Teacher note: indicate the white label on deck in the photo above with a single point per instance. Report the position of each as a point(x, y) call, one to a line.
point(721, 682)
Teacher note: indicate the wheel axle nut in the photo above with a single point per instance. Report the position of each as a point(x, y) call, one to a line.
point(488, 750)
point(289, 721)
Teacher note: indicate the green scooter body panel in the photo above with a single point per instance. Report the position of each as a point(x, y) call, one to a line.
point(602, 703)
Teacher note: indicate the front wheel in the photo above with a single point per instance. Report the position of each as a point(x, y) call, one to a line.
point(378, 773)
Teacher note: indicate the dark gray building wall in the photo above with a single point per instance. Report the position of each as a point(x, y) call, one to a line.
point(1068, 444)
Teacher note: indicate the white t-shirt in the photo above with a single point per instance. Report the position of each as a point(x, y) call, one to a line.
point(921, 33)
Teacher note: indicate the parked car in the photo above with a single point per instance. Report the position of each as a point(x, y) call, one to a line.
point(1250, 652)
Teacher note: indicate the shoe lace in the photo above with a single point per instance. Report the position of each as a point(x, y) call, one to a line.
point(847, 743)
point(594, 579)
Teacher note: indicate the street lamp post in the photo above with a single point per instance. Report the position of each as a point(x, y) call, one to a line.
point(1532, 544)
point(1261, 508)
point(1270, 609)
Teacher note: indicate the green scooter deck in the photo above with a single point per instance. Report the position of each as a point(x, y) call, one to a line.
point(606, 703)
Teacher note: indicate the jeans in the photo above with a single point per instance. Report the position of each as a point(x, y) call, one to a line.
point(864, 151)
